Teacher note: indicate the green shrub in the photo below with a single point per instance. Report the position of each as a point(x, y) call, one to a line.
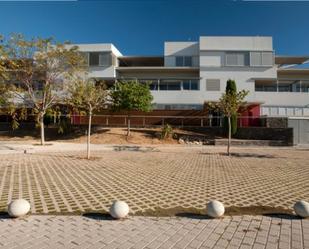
point(167, 131)
point(64, 126)
point(230, 87)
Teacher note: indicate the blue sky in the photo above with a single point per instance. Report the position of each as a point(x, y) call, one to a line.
point(141, 26)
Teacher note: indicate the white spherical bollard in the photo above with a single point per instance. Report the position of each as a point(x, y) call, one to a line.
point(301, 208)
point(119, 210)
point(18, 208)
point(215, 209)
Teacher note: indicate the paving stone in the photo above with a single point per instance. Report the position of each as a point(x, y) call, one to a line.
point(186, 177)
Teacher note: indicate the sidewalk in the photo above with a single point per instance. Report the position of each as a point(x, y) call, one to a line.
point(19, 147)
point(29, 148)
point(141, 232)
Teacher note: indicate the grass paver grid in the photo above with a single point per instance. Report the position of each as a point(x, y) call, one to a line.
point(183, 177)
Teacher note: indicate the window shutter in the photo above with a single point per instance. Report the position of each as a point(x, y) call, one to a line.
point(105, 59)
point(255, 59)
point(231, 59)
point(212, 85)
point(267, 58)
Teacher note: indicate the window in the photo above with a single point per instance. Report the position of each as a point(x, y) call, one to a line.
point(93, 59)
point(267, 59)
point(179, 61)
point(237, 59)
point(305, 86)
point(183, 61)
point(255, 59)
point(170, 85)
point(195, 85)
point(186, 85)
point(261, 59)
point(258, 88)
point(100, 59)
point(212, 85)
point(289, 86)
point(265, 86)
point(274, 111)
point(153, 84)
point(187, 61)
point(190, 85)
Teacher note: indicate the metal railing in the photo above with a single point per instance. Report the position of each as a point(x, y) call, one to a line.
point(155, 120)
point(111, 120)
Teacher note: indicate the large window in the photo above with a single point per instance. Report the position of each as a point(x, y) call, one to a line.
point(261, 59)
point(237, 59)
point(253, 59)
point(183, 61)
point(282, 86)
point(305, 86)
point(100, 59)
point(190, 85)
point(289, 86)
point(170, 85)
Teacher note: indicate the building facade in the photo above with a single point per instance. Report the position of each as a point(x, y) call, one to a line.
point(192, 73)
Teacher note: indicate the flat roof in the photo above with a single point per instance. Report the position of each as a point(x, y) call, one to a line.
point(293, 71)
point(282, 60)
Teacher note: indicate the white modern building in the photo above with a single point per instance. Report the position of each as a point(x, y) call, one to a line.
point(190, 73)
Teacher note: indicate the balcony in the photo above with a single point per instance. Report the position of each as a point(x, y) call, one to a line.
point(290, 86)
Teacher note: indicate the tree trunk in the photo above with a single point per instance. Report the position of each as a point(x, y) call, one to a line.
point(41, 121)
point(230, 134)
point(89, 134)
point(129, 126)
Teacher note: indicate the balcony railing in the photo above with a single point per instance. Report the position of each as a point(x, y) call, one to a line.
point(297, 86)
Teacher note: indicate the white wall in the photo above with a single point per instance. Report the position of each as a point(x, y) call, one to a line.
point(97, 47)
point(283, 98)
point(212, 64)
point(99, 72)
point(172, 49)
point(102, 72)
point(236, 43)
point(244, 77)
point(181, 48)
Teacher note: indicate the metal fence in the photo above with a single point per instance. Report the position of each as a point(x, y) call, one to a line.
point(157, 120)
point(177, 121)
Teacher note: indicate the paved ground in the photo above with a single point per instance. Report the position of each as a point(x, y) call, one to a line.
point(140, 232)
point(165, 177)
point(150, 178)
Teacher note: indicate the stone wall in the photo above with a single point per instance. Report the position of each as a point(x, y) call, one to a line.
point(275, 122)
point(274, 136)
point(265, 133)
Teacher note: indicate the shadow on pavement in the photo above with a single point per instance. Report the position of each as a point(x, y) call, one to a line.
point(241, 155)
point(4, 216)
point(193, 216)
point(284, 216)
point(98, 216)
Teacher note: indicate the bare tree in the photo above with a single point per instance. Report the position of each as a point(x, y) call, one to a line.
point(41, 68)
point(229, 104)
point(86, 95)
